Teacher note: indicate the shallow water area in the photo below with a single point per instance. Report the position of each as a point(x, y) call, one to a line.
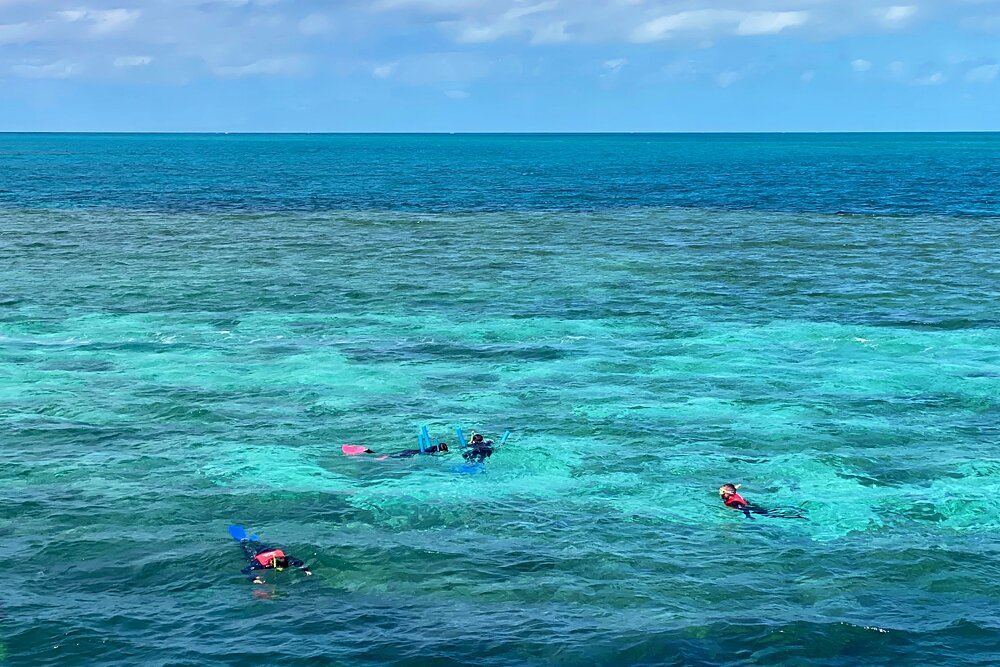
point(185, 348)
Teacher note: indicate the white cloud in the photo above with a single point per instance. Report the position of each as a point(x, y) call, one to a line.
point(769, 23)
point(615, 65)
point(728, 21)
point(16, 33)
point(490, 28)
point(57, 70)
point(263, 67)
point(983, 74)
point(861, 65)
point(455, 68)
point(188, 39)
point(430, 6)
point(726, 79)
point(808, 76)
point(935, 79)
point(132, 61)
point(897, 14)
point(315, 24)
point(457, 94)
point(72, 15)
point(520, 11)
point(384, 71)
point(102, 21)
point(553, 33)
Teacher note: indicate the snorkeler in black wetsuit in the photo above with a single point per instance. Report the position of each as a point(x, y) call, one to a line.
point(439, 448)
point(478, 450)
point(353, 450)
point(263, 557)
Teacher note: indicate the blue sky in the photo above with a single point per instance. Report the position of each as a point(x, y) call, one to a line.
point(499, 65)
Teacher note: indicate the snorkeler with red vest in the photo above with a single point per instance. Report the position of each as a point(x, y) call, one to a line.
point(732, 499)
point(262, 557)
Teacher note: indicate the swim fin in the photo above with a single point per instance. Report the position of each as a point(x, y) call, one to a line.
point(238, 533)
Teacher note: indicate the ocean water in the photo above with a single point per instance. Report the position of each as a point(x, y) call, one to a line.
point(191, 326)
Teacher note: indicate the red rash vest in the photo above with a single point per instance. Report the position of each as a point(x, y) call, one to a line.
point(735, 500)
point(267, 558)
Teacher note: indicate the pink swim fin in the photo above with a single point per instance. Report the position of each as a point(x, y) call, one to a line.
point(354, 450)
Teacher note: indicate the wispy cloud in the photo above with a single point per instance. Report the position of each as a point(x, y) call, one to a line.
point(132, 61)
point(586, 21)
point(451, 68)
point(403, 40)
point(55, 70)
point(896, 15)
point(264, 67)
point(101, 21)
point(384, 71)
point(315, 24)
point(983, 74)
point(513, 21)
point(934, 79)
point(614, 65)
point(733, 22)
point(726, 79)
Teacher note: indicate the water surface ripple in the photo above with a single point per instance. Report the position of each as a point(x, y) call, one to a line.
point(190, 327)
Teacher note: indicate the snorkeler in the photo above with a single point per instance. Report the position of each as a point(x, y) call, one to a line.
point(439, 448)
point(262, 557)
point(354, 450)
point(734, 500)
point(478, 450)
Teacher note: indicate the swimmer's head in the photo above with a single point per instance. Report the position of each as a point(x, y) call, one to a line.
point(477, 439)
point(727, 490)
point(442, 447)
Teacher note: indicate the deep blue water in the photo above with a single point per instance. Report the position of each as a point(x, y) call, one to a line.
point(192, 325)
point(891, 174)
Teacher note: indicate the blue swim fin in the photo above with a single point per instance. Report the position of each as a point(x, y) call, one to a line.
point(238, 533)
point(506, 434)
point(469, 468)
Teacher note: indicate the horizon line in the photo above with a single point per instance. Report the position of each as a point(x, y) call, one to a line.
point(497, 132)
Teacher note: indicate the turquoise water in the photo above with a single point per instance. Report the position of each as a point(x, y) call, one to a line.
point(191, 326)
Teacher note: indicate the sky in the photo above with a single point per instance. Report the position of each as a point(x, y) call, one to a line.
point(499, 65)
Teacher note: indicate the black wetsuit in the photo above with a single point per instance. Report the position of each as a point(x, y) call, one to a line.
point(408, 453)
point(251, 548)
point(478, 452)
point(749, 509)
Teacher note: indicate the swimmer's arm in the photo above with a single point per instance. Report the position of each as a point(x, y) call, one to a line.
point(248, 570)
point(743, 507)
point(295, 562)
